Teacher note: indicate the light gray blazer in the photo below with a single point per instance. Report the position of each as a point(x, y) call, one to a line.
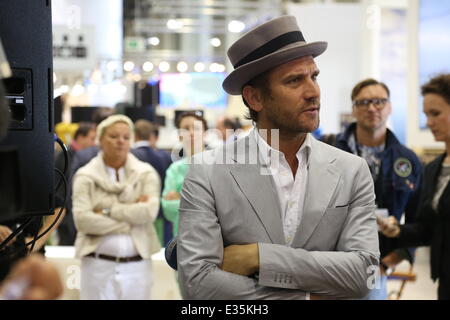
point(335, 246)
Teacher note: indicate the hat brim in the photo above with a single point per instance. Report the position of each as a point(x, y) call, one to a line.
point(234, 82)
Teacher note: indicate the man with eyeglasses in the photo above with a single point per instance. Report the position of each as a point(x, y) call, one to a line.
point(396, 170)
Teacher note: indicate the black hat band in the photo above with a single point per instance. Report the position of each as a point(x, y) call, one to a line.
point(271, 46)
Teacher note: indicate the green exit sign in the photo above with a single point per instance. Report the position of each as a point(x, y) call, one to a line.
point(134, 44)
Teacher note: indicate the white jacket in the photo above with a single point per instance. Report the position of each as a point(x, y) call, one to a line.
point(93, 189)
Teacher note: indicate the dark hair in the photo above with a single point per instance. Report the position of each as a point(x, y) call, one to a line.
point(260, 82)
point(365, 83)
point(439, 85)
point(144, 128)
point(193, 114)
point(101, 114)
point(83, 129)
point(229, 123)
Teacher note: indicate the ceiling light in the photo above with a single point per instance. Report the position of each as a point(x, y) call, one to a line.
point(147, 66)
point(154, 41)
point(215, 42)
point(164, 66)
point(220, 67)
point(213, 67)
point(128, 66)
point(199, 67)
point(174, 24)
point(236, 26)
point(216, 67)
point(182, 66)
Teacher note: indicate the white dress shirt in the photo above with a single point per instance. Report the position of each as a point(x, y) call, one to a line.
point(117, 245)
point(290, 189)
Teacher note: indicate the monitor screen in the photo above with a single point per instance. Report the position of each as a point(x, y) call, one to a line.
point(135, 113)
point(192, 90)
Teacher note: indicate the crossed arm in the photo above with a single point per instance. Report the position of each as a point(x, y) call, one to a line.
point(91, 220)
point(208, 270)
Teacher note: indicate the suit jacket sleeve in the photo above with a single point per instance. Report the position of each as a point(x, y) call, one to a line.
point(343, 273)
point(200, 246)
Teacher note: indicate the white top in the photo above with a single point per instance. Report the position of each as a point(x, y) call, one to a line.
point(290, 189)
point(443, 180)
point(117, 245)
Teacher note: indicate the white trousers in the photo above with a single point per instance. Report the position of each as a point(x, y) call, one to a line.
point(108, 280)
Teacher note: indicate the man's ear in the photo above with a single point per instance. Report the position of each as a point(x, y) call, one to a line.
point(253, 97)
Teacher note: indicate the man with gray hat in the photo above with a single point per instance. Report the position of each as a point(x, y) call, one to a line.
point(277, 214)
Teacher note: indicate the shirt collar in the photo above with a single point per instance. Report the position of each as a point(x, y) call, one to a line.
point(265, 150)
point(141, 143)
point(112, 173)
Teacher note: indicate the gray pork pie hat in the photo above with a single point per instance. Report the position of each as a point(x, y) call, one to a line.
point(266, 46)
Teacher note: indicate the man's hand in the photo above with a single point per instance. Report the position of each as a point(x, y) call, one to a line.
point(32, 278)
point(172, 195)
point(389, 226)
point(241, 259)
point(391, 261)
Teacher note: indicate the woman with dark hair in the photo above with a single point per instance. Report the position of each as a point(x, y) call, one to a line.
point(192, 127)
point(432, 223)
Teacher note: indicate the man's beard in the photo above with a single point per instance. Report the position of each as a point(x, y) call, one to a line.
point(289, 124)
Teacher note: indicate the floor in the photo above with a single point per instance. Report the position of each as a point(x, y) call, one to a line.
point(421, 289)
point(166, 286)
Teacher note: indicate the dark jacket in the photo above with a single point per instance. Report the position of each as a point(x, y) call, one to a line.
point(393, 191)
point(156, 158)
point(82, 157)
point(160, 160)
point(431, 228)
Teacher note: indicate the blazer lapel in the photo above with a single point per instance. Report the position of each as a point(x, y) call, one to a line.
point(260, 191)
point(323, 178)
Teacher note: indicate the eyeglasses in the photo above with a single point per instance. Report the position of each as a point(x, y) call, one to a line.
point(378, 103)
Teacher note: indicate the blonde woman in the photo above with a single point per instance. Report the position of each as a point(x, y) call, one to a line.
point(115, 201)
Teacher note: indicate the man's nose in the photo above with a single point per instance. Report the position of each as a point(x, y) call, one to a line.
point(372, 107)
point(312, 90)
